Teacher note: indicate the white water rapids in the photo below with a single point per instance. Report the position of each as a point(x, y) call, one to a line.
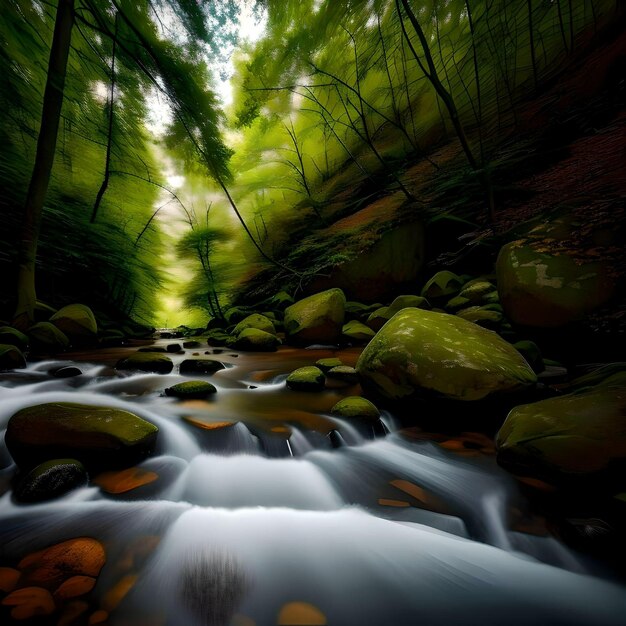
point(258, 522)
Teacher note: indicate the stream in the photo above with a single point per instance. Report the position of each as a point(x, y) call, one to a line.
point(263, 508)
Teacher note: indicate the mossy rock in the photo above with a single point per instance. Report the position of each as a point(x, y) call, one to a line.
point(258, 321)
point(594, 377)
point(328, 363)
point(531, 352)
point(344, 373)
point(426, 352)
point(356, 406)
point(316, 319)
point(378, 318)
point(146, 362)
point(43, 312)
point(201, 366)
point(280, 301)
point(403, 302)
point(97, 436)
point(11, 357)
point(78, 323)
point(255, 340)
point(457, 303)
point(477, 290)
point(156, 349)
point(218, 338)
point(481, 316)
point(46, 337)
point(13, 337)
point(235, 314)
point(308, 378)
point(357, 331)
point(50, 480)
point(442, 285)
point(546, 290)
point(191, 389)
point(491, 298)
point(579, 435)
point(191, 344)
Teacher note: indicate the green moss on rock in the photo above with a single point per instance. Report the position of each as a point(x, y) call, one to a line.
point(146, 362)
point(316, 319)
point(95, 435)
point(308, 378)
point(46, 337)
point(191, 389)
point(13, 337)
point(258, 321)
point(357, 332)
point(256, 340)
point(443, 284)
point(356, 406)
point(78, 323)
point(568, 437)
point(328, 363)
point(403, 302)
point(421, 351)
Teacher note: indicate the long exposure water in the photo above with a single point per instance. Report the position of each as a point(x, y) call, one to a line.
point(263, 508)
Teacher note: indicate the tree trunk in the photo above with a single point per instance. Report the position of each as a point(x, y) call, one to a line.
point(44, 158)
point(107, 159)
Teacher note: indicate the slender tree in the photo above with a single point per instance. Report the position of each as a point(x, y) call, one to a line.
point(44, 159)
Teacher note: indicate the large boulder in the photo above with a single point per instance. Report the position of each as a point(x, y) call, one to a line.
point(424, 351)
point(78, 323)
point(258, 321)
point(574, 436)
point(316, 319)
point(97, 436)
point(11, 358)
point(380, 268)
point(548, 290)
point(146, 362)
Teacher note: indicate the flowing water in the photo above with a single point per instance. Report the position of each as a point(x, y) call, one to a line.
point(264, 509)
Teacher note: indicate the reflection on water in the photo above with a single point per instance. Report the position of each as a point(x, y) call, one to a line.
point(259, 507)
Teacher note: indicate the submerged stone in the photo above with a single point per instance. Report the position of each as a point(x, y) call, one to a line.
point(200, 366)
point(424, 351)
point(94, 435)
point(51, 479)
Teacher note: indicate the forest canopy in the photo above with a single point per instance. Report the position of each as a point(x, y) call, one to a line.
point(332, 103)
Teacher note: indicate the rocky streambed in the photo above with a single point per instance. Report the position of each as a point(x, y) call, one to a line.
point(218, 492)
